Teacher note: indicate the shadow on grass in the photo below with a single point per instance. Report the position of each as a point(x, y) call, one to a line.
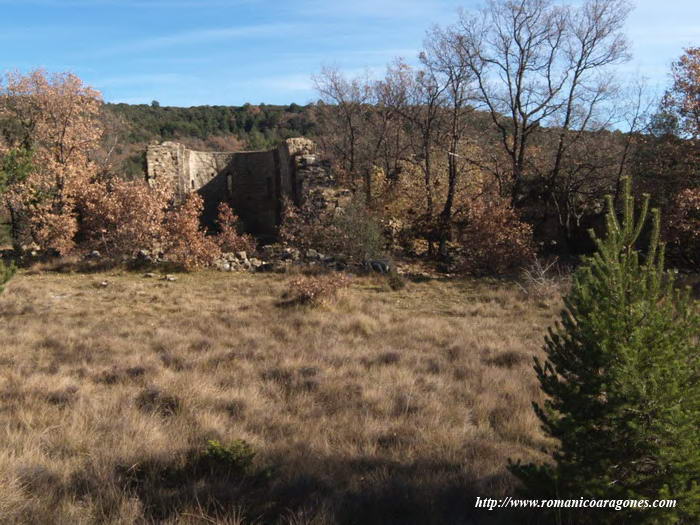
point(342, 491)
point(86, 265)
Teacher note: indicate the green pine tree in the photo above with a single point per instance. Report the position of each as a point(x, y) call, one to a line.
point(622, 380)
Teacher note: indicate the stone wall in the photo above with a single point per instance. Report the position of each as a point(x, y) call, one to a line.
point(186, 169)
point(253, 182)
point(255, 194)
point(166, 162)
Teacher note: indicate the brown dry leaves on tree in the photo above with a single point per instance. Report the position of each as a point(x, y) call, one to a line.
point(684, 226)
point(495, 240)
point(122, 217)
point(186, 242)
point(56, 117)
point(683, 102)
point(229, 238)
point(684, 96)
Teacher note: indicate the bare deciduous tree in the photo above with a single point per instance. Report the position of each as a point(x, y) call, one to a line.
point(418, 98)
point(540, 64)
point(445, 61)
point(342, 117)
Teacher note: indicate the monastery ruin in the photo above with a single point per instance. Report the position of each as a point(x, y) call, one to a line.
point(254, 183)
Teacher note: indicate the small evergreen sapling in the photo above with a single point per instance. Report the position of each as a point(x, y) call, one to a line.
point(622, 379)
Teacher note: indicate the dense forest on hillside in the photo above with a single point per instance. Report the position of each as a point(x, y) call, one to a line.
point(211, 128)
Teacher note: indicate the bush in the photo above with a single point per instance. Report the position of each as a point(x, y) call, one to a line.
point(304, 227)
point(361, 235)
point(351, 231)
point(495, 240)
point(622, 379)
point(120, 217)
point(395, 281)
point(229, 238)
point(316, 290)
point(186, 241)
point(543, 280)
point(234, 457)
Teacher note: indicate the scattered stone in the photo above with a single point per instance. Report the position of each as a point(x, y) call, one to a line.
point(170, 278)
point(275, 266)
point(291, 253)
point(149, 275)
point(94, 254)
point(313, 254)
point(378, 266)
point(104, 284)
point(281, 267)
point(222, 265)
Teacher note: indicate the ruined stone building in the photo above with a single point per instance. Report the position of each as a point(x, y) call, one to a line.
point(254, 183)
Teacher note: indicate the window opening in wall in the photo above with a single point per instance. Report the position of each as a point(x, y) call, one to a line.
point(192, 181)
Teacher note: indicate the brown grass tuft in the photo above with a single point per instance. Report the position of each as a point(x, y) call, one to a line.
point(316, 290)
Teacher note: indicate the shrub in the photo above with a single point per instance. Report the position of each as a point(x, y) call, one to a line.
point(622, 376)
point(395, 281)
point(122, 217)
point(543, 280)
point(186, 242)
point(351, 231)
point(234, 457)
point(361, 236)
point(229, 238)
point(317, 290)
point(495, 240)
point(304, 227)
point(153, 400)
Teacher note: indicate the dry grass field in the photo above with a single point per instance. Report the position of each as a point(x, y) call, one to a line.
point(383, 407)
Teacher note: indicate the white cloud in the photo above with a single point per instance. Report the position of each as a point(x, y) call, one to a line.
point(141, 79)
point(198, 36)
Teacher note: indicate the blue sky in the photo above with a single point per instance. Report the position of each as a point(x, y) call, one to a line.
point(191, 52)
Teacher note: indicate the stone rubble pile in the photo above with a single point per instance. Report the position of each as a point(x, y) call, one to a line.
point(270, 258)
point(276, 258)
